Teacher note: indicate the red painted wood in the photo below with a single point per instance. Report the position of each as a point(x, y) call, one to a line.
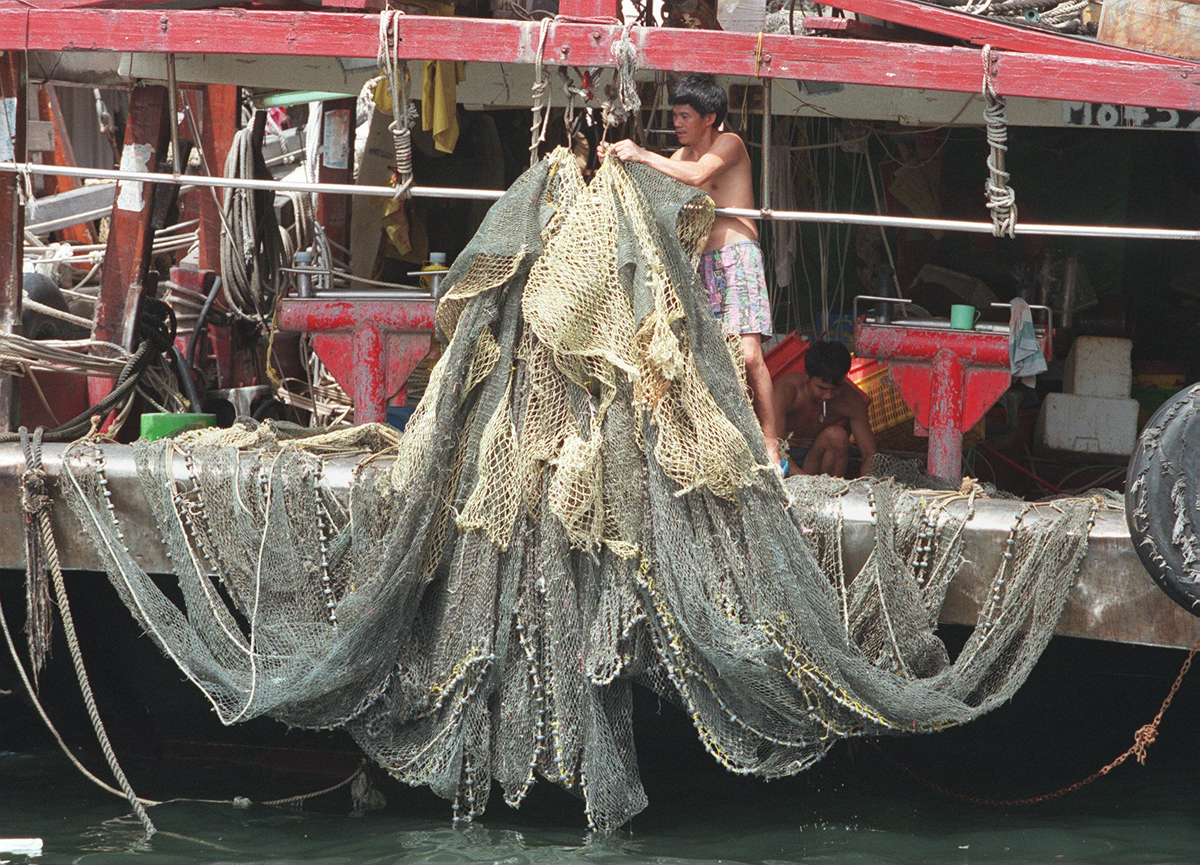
point(215, 108)
point(127, 255)
point(979, 30)
point(852, 61)
point(13, 76)
point(336, 166)
point(64, 154)
point(588, 8)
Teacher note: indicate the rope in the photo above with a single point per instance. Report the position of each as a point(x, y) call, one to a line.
point(541, 96)
point(1143, 737)
point(251, 246)
point(626, 100)
point(1001, 199)
point(39, 512)
point(403, 112)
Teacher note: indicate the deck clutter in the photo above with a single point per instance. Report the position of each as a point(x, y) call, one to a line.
point(462, 512)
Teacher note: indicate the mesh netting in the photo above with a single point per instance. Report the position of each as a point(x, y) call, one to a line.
point(582, 500)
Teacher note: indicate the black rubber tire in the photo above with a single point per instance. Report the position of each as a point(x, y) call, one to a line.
point(1162, 498)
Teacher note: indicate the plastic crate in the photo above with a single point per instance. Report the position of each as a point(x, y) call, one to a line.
point(886, 408)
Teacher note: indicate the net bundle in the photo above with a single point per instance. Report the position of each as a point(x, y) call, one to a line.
point(580, 503)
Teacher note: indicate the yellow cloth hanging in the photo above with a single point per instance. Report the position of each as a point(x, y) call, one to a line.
point(439, 89)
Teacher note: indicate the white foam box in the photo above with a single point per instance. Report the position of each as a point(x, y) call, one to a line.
point(1099, 366)
point(1087, 424)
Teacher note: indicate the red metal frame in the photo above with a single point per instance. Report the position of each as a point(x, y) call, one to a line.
point(979, 30)
point(370, 346)
point(949, 378)
point(852, 61)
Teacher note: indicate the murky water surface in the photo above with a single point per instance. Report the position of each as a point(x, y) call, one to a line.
point(861, 804)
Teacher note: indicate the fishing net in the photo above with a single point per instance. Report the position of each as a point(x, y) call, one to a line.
point(582, 501)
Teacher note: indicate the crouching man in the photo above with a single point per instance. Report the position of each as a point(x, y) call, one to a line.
point(820, 409)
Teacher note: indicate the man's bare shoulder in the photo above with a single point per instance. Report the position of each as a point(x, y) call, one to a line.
point(851, 400)
point(731, 142)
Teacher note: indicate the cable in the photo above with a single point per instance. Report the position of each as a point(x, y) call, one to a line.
point(194, 339)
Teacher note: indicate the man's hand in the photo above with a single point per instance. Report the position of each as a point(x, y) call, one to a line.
point(626, 151)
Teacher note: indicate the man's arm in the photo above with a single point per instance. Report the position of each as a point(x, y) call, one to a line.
point(725, 152)
point(783, 395)
point(860, 426)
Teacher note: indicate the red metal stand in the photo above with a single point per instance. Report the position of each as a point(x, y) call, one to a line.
point(949, 378)
point(370, 346)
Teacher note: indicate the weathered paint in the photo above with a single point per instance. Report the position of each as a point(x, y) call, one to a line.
point(949, 378)
point(12, 218)
point(370, 347)
point(853, 61)
point(127, 254)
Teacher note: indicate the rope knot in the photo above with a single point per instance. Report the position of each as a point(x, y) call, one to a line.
point(35, 493)
point(1142, 739)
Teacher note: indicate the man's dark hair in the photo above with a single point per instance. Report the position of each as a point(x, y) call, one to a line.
point(702, 93)
point(828, 361)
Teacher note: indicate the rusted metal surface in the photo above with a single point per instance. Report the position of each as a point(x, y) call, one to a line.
point(13, 113)
point(1113, 599)
point(130, 235)
point(370, 346)
point(1170, 27)
point(426, 37)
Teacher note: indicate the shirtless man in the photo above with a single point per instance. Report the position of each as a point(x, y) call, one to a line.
point(731, 266)
point(813, 405)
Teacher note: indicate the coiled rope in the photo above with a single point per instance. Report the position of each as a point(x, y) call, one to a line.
point(1001, 199)
point(626, 100)
point(252, 247)
point(541, 96)
point(404, 114)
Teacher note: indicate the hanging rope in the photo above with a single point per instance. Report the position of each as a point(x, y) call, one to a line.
point(403, 112)
point(39, 533)
point(1001, 199)
point(626, 100)
point(541, 96)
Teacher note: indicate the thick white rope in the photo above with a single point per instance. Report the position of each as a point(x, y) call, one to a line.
point(403, 113)
point(1001, 199)
point(541, 96)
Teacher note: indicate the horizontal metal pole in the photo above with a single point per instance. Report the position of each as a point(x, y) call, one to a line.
point(980, 227)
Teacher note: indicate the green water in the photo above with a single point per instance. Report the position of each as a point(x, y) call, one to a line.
point(1077, 712)
point(857, 809)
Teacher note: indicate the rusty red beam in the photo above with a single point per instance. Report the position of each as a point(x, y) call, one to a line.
point(979, 30)
point(852, 61)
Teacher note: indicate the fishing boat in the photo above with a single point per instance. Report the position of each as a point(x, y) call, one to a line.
point(274, 212)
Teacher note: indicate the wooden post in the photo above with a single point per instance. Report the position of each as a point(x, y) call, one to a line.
point(64, 154)
point(214, 109)
point(12, 216)
point(337, 166)
point(127, 255)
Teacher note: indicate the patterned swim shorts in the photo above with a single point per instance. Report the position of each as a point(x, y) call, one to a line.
point(736, 282)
